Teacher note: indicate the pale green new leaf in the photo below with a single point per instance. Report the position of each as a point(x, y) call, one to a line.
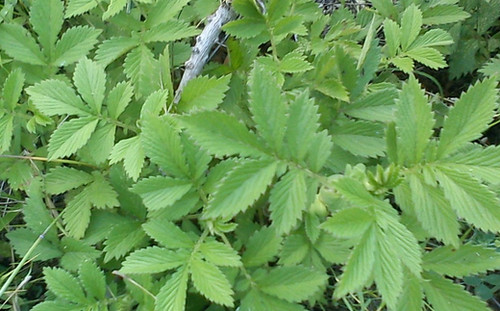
point(349, 223)
point(359, 268)
point(211, 282)
point(466, 260)
point(53, 97)
point(162, 144)
point(403, 63)
point(159, 191)
point(262, 246)
point(46, 16)
point(74, 44)
point(203, 93)
point(376, 106)
point(367, 135)
point(267, 106)
point(64, 285)
point(221, 134)
point(170, 31)
point(77, 7)
point(414, 122)
point(470, 199)
point(168, 234)
point(411, 22)
point(241, 188)
point(444, 14)
point(71, 136)
point(92, 279)
point(469, 117)
point(428, 56)
point(130, 151)
point(288, 200)
point(90, 81)
point(172, 296)
point(114, 7)
point(12, 88)
point(62, 178)
point(355, 192)
point(220, 254)
point(141, 67)
point(433, 37)
point(119, 98)
point(152, 260)
point(444, 295)
point(392, 33)
point(113, 48)
point(433, 211)
point(292, 284)
point(77, 215)
point(6, 129)
point(20, 45)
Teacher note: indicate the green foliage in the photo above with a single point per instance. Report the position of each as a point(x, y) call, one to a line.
point(306, 167)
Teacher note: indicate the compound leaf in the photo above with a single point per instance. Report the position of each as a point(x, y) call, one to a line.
point(211, 282)
point(20, 45)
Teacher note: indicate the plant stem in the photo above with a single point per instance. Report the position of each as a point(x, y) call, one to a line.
point(11, 156)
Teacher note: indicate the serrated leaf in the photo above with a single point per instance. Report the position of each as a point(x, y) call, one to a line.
point(114, 7)
point(141, 67)
point(469, 117)
point(354, 191)
point(22, 240)
point(470, 199)
point(6, 130)
point(245, 28)
point(172, 296)
point(77, 7)
point(71, 136)
point(492, 67)
point(211, 282)
point(358, 270)
point(241, 188)
point(12, 88)
point(47, 19)
point(170, 31)
point(294, 63)
point(444, 14)
point(152, 260)
point(428, 56)
point(77, 215)
point(122, 238)
point(61, 179)
point(414, 122)
point(53, 97)
point(288, 200)
point(459, 262)
point(100, 143)
point(221, 134)
point(292, 284)
point(392, 33)
point(256, 300)
point(168, 234)
point(367, 135)
point(159, 192)
point(55, 305)
point(64, 285)
point(90, 81)
point(101, 193)
point(262, 246)
point(76, 252)
point(93, 280)
point(444, 295)
point(220, 254)
point(403, 63)
point(433, 37)
point(164, 11)
point(112, 48)
point(20, 45)
point(74, 44)
point(376, 106)
point(411, 298)
point(411, 23)
point(348, 223)
point(333, 88)
point(288, 24)
point(295, 248)
point(119, 98)
point(131, 152)
point(203, 93)
point(319, 151)
point(267, 106)
point(154, 104)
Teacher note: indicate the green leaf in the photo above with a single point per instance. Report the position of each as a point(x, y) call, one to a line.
point(220, 254)
point(74, 44)
point(411, 23)
point(392, 33)
point(358, 270)
point(376, 106)
point(55, 305)
point(414, 122)
point(90, 81)
point(403, 63)
point(93, 280)
point(492, 67)
point(122, 238)
point(292, 284)
point(470, 199)
point(288, 200)
point(119, 98)
point(288, 24)
point(466, 260)
point(221, 134)
point(319, 151)
point(241, 188)
point(348, 223)
point(152, 260)
point(444, 295)
point(295, 248)
point(164, 11)
point(469, 117)
point(333, 88)
point(267, 106)
point(112, 48)
point(428, 56)
point(64, 285)
point(77, 215)
point(159, 192)
point(76, 252)
point(203, 93)
point(61, 179)
point(444, 14)
point(162, 144)
point(245, 28)
point(262, 246)
point(433, 37)
point(170, 31)
point(53, 97)
point(6, 130)
point(114, 7)
point(47, 19)
point(101, 193)
point(141, 67)
point(256, 300)
point(411, 298)
point(355, 192)
point(77, 7)
point(154, 104)
point(168, 234)
point(294, 62)
point(130, 151)
point(433, 211)
point(100, 144)
point(22, 240)
point(172, 296)
point(367, 135)
point(211, 282)
point(20, 45)
point(12, 88)
point(71, 136)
